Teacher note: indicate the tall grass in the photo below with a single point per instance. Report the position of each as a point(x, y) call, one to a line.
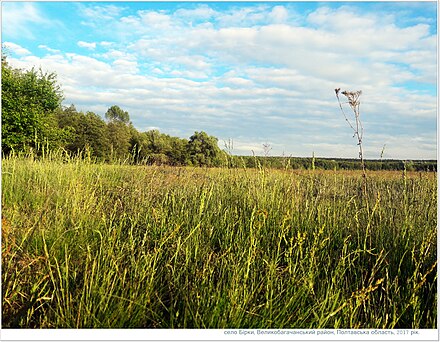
point(89, 245)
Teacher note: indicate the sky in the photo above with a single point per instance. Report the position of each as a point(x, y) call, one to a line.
point(249, 73)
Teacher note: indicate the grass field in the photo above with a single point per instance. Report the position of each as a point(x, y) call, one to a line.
point(91, 245)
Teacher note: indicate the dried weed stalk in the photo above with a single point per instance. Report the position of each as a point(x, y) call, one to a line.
point(354, 103)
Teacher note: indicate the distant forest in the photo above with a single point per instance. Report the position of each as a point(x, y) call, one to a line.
point(33, 120)
point(334, 164)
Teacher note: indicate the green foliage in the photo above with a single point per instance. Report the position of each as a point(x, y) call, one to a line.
point(120, 139)
point(157, 143)
point(116, 114)
point(117, 140)
point(29, 100)
point(138, 144)
point(86, 132)
point(178, 153)
point(203, 150)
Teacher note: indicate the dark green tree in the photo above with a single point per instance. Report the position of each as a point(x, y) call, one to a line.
point(156, 142)
point(86, 131)
point(29, 101)
point(178, 154)
point(120, 139)
point(158, 147)
point(138, 146)
point(69, 120)
point(94, 131)
point(119, 132)
point(116, 114)
point(203, 150)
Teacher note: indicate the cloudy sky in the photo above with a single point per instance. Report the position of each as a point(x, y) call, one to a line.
point(257, 73)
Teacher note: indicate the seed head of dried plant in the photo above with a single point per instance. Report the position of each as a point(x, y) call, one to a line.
point(354, 103)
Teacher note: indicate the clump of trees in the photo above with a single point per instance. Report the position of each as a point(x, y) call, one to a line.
point(32, 117)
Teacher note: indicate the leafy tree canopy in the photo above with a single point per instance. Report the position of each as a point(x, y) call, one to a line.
point(116, 114)
point(29, 101)
point(203, 149)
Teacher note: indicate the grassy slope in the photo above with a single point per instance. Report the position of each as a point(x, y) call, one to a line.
point(87, 245)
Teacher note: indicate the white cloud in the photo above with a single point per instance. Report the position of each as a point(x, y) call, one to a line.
point(415, 146)
point(157, 71)
point(189, 74)
point(279, 14)
point(114, 54)
point(192, 62)
point(100, 12)
point(202, 12)
point(45, 47)
point(238, 82)
point(87, 45)
point(16, 49)
point(26, 19)
point(251, 74)
point(242, 147)
point(155, 20)
point(239, 17)
point(106, 44)
point(125, 66)
point(18, 17)
point(151, 128)
point(340, 19)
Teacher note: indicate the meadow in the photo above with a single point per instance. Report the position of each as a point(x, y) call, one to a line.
point(89, 245)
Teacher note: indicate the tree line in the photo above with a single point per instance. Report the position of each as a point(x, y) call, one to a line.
point(33, 117)
point(311, 163)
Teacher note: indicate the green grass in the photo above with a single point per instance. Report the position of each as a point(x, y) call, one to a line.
point(113, 246)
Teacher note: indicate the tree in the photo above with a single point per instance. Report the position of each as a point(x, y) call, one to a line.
point(95, 135)
point(179, 151)
point(29, 101)
point(203, 150)
point(116, 114)
point(69, 120)
point(138, 145)
point(120, 138)
point(158, 146)
point(156, 142)
point(86, 131)
point(120, 133)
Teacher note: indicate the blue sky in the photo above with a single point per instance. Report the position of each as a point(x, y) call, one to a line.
point(256, 73)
